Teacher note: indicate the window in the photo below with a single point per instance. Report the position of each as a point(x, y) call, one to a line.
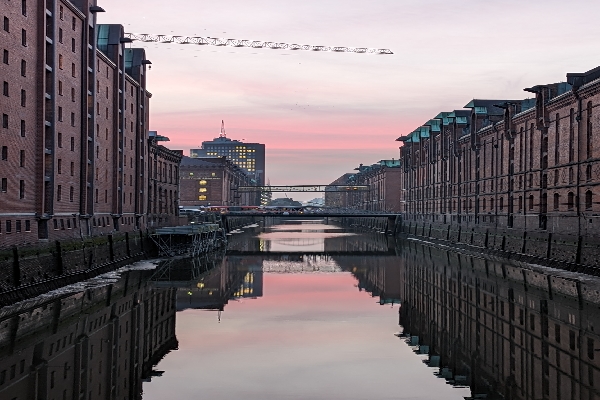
point(73, 45)
point(202, 197)
point(60, 88)
point(24, 37)
point(22, 158)
point(570, 200)
point(60, 61)
point(531, 203)
point(5, 56)
point(72, 168)
point(27, 225)
point(60, 35)
point(71, 193)
point(21, 189)
point(59, 139)
point(22, 128)
point(73, 95)
point(556, 201)
point(588, 172)
point(72, 143)
point(588, 200)
point(23, 68)
point(590, 139)
point(61, 12)
point(73, 23)
point(73, 70)
point(4, 153)
point(5, 88)
point(72, 119)
point(23, 98)
point(203, 190)
point(59, 166)
point(6, 24)
point(8, 226)
point(4, 185)
point(59, 193)
point(5, 121)
point(24, 7)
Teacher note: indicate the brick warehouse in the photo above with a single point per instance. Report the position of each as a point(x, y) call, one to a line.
point(74, 134)
point(384, 178)
point(498, 168)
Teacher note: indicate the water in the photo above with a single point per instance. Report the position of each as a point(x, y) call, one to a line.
point(307, 310)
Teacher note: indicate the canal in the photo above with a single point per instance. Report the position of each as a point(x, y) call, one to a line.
point(309, 310)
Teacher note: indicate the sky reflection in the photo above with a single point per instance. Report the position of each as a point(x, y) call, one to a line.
point(308, 337)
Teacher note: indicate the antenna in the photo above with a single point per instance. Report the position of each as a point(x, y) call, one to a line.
point(223, 135)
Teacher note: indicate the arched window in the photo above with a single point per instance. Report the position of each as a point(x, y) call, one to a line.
point(556, 176)
point(588, 200)
point(531, 203)
point(492, 204)
point(484, 204)
point(556, 201)
point(571, 175)
point(570, 200)
point(520, 202)
point(501, 205)
point(588, 172)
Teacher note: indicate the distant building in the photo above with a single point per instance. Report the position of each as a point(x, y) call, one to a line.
point(285, 202)
point(211, 182)
point(163, 182)
point(248, 156)
point(384, 180)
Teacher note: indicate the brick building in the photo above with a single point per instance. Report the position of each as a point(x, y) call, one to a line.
point(74, 124)
point(384, 179)
point(510, 165)
point(163, 183)
point(211, 182)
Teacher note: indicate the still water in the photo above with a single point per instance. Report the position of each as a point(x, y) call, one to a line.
point(308, 310)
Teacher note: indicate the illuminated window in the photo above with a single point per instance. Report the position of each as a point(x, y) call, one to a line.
point(202, 190)
point(202, 182)
point(191, 174)
point(202, 197)
point(213, 174)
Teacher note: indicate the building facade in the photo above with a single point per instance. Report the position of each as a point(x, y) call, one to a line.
point(74, 124)
point(384, 179)
point(211, 182)
point(518, 165)
point(250, 157)
point(163, 183)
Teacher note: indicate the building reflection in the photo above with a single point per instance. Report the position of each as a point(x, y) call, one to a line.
point(100, 343)
point(210, 282)
point(503, 331)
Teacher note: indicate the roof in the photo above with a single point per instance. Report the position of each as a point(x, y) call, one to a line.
point(201, 162)
point(488, 107)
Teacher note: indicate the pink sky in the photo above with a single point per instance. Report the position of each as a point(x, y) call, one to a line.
point(322, 114)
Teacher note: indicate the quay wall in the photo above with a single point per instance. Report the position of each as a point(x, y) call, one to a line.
point(568, 252)
point(26, 272)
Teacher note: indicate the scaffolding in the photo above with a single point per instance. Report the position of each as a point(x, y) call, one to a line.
point(188, 240)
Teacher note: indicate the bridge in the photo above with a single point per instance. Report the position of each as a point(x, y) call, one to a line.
point(303, 188)
point(322, 214)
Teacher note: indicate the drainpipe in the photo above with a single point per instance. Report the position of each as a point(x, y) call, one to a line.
point(578, 118)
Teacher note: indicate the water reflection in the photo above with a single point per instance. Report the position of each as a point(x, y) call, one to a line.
point(97, 344)
point(499, 329)
point(312, 325)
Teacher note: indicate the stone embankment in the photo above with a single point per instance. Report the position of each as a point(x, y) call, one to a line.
point(29, 271)
point(571, 253)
